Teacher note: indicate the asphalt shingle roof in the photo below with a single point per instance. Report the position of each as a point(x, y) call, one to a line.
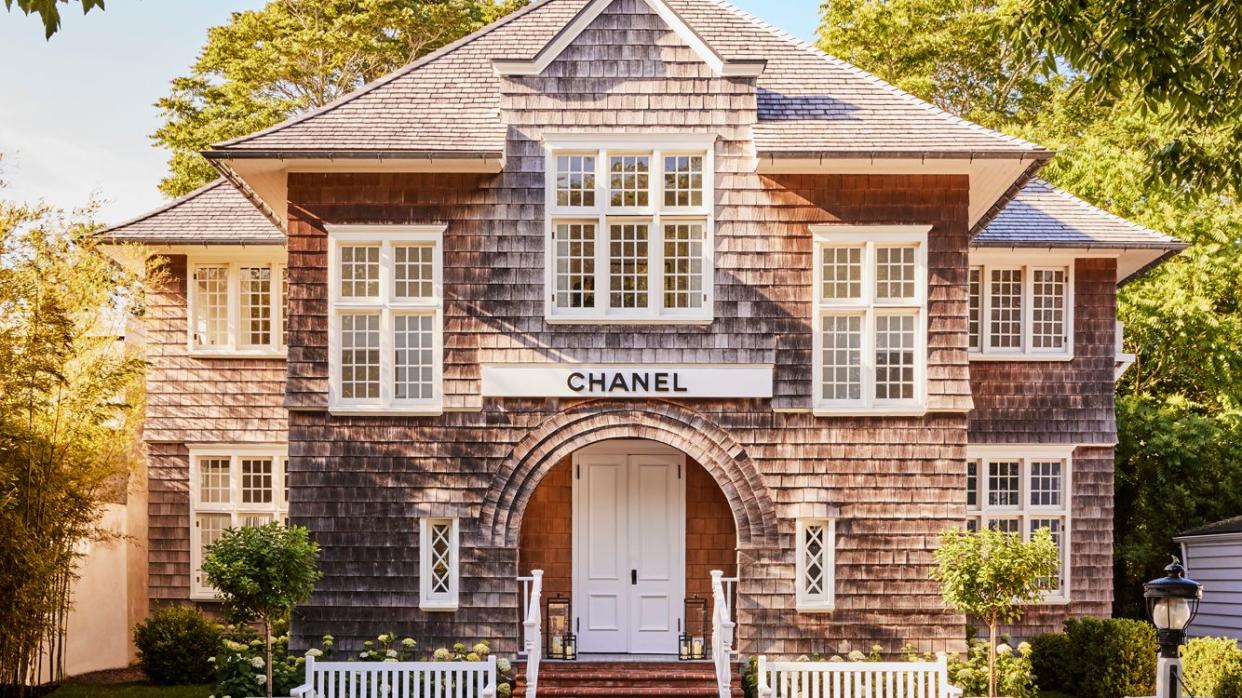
point(449, 101)
point(1042, 215)
point(1233, 525)
point(214, 214)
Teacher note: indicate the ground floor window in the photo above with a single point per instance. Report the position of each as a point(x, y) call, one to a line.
point(816, 550)
point(438, 559)
point(232, 486)
point(1020, 490)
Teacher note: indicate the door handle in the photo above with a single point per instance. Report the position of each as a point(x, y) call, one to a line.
point(633, 577)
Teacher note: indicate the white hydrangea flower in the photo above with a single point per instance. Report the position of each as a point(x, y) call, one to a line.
point(856, 656)
point(257, 662)
point(503, 665)
point(262, 679)
point(391, 653)
point(1004, 650)
point(312, 652)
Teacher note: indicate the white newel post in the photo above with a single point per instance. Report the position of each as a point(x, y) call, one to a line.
point(533, 633)
point(1168, 677)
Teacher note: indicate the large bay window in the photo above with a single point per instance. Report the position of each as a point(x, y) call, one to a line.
point(815, 565)
point(232, 486)
point(237, 305)
point(870, 319)
point(1021, 489)
point(1021, 310)
point(386, 318)
point(629, 229)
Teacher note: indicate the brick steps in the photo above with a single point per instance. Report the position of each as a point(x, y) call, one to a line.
point(585, 679)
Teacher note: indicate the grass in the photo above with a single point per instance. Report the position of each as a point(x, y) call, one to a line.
point(74, 689)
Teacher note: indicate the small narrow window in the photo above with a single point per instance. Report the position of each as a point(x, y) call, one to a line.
point(974, 320)
point(256, 305)
point(1005, 297)
point(575, 265)
point(972, 485)
point(360, 356)
point(1055, 527)
point(683, 265)
point(816, 551)
point(438, 564)
point(211, 317)
point(1048, 309)
point(628, 273)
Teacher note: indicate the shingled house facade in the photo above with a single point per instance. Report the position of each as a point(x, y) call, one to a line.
point(628, 291)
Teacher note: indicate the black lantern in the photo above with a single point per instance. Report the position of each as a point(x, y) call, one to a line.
point(1172, 602)
point(692, 642)
point(558, 641)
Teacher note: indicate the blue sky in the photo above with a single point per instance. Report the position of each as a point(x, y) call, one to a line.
point(76, 111)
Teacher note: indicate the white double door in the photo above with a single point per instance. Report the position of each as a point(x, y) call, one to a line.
point(629, 550)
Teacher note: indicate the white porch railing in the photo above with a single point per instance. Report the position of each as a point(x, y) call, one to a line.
point(722, 631)
point(532, 630)
point(398, 679)
point(855, 679)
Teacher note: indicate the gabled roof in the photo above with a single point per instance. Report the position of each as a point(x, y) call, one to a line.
point(1233, 525)
point(214, 214)
point(448, 102)
point(1041, 215)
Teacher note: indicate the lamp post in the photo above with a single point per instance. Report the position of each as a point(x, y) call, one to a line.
point(1172, 602)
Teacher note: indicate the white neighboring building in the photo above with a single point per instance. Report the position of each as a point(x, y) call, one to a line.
point(1213, 557)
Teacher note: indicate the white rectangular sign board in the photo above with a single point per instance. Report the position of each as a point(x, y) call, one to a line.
point(627, 381)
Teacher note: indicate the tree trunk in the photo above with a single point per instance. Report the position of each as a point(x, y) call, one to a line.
point(267, 651)
point(991, 660)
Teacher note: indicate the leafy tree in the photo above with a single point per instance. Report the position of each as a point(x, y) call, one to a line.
point(294, 56)
point(992, 575)
point(49, 11)
point(261, 573)
point(68, 421)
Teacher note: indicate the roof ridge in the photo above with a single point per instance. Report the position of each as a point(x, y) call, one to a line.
point(387, 78)
point(168, 206)
point(1079, 201)
point(868, 76)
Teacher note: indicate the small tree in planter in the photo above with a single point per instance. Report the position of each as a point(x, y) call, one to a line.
point(261, 573)
point(992, 575)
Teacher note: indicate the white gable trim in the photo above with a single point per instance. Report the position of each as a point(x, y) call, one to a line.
point(520, 67)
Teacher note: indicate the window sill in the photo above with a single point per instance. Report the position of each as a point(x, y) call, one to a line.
point(1053, 601)
point(204, 596)
point(701, 321)
point(814, 608)
point(977, 356)
point(381, 411)
point(238, 354)
point(438, 606)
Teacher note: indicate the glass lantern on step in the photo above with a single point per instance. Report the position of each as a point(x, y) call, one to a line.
point(559, 641)
point(692, 642)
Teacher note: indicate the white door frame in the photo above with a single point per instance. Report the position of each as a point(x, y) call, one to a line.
point(631, 447)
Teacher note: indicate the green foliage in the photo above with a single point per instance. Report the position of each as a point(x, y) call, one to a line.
point(173, 646)
point(261, 573)
point(386, 649)
point(992, 575)
point(70, 406)
point(49, 11)
point(1110, 658)
point(1212, 666)
point(1013, 670)
point(1051, 656)
point(294, 56)
point(241, 667)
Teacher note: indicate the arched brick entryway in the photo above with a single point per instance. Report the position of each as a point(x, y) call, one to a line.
point(668, 423)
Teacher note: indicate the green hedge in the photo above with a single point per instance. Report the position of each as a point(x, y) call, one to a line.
point(1097, 658)
point(1213, 667)
point(174, 646)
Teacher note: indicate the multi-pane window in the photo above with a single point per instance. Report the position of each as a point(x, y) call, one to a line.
point(870, 318)
point(816, 545)
point(1017, 311)
point(231, 488)
point(237, 307)
point(629, 232)
point(1020, 490)
point(386, 319)
point(438, 564)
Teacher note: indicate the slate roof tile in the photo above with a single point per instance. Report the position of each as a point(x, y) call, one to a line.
point(214, 214)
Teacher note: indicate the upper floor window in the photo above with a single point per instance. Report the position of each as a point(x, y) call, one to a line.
point(870, 318)
point(1021, 310)
point(237, 306)
point(1021, 489)
point(386, 318)
point(629, 229)
point(231, 487)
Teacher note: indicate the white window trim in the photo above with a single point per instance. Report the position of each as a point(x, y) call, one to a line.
point(427, 600)
point(1028, 264)
point(600, 147)
point(386, 305)
point(826, 601)
point(1025, 454)
point(279, 508)
point(868, 236)
point(235, 261)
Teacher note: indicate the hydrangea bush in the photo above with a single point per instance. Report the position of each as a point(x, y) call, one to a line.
point(1013, 670)
point(241, 670)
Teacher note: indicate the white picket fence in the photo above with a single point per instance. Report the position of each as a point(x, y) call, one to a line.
point(398, 679)
point(855, 679)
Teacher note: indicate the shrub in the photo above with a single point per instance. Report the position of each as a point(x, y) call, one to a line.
point(174, 644)
point(1051, 656)
point(1210, 664)
point(1110, 658)
point(1013, 670)
point(241, 669)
